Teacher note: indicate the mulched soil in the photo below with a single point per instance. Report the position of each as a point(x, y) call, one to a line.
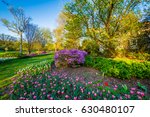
point(87, 74)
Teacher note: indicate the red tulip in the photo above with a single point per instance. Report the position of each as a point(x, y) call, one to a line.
point(89, 98)
point(105, 83)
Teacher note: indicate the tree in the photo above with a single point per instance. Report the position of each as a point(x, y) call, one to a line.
point(143, 38)
point(101, 20)
point(43, 38)
point(30, 34)
point(68, 32)
point(59, 32)
point(91, 47)
point(46, 36)
point(7, 42)
point(73, 31)
point(19, 24)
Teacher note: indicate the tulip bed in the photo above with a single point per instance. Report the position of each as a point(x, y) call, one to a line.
point(36, 69)
point(51, 86)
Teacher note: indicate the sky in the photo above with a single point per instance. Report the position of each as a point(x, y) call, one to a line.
point(44, 13)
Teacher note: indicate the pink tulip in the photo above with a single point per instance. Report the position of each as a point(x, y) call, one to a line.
point(22, 86)
point(131, 92)
point(62, 92)
point(34, 97)
point(138, 92)
point(142, 94)
point(133, 89)
point(48, 96)
point(75, 98)
point(113, 96)
point(116, 86)
point(139, 97)
point(66, 96)
point(58, 92)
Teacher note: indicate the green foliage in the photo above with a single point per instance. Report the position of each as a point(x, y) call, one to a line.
point(144, 88)
point(120, 68)
point(91, 47)
point(139, 56)
point(125, 88)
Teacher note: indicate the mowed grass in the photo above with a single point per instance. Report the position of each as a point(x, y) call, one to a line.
point(9, 68)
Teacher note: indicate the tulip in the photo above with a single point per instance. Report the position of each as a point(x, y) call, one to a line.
point(75, 98)
point(66, 96)
point(34, 97)
point(113, 96)
point(131, 92)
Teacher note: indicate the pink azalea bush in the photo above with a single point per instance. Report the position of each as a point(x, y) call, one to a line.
point(72, 57)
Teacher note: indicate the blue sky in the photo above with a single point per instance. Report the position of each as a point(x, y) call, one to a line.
point(43, 12)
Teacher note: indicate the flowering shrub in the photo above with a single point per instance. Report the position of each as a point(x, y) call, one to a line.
point(69, 57)
point(43, 52)
point(32, 55)
point(50, 86)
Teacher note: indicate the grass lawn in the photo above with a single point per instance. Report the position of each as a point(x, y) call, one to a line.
point(9, 68)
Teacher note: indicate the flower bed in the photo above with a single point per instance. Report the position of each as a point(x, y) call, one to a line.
point(49, 86)
point(6, 59)
point(35, 69)
point(9, 54)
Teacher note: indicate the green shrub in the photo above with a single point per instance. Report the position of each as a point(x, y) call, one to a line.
point(120, 68)
point(139, 56)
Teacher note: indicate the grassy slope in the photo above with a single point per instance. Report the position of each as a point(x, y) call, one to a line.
point(9, 68)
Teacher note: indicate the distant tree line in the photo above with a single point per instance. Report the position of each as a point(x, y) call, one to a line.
point(31, 37)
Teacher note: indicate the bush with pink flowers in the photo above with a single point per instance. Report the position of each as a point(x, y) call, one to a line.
point(64, 58)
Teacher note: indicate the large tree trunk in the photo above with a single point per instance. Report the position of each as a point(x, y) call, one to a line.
point(29, 47)
point(20, 43)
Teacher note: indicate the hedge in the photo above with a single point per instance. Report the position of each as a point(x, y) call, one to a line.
point(120, 68)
